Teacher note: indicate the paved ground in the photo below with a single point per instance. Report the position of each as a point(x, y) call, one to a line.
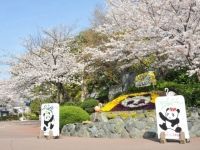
point(22, 136)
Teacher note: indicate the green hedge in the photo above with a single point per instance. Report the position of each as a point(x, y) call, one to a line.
point(72, 114)
point(73, 104)
point(9, 118)
point(89, 104)
point(35, 105)
point(31, 116)
point(191, 92)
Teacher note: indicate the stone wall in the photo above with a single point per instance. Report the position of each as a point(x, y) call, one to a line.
point(143, 127)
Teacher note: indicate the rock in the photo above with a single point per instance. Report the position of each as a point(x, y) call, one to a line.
point(129, 124)
point(64, 131)
point(136, 123)
point(139, 125)
point(87, 122)
point(127, 80)
point(106, 130)
point(151, 119)
point(78, 126)
point(113, 91)
point(116, 125)
point(149, 135)
point(83, 132)
point(135, 133)
point(195, 114)
point(123, 128)
point(99, 117)
point(113, 135)
point(93, 131)
point(194, 130)
point(190, 125)
point(68, 130)
point(198, 133)
point(131, 128)
point(98, 130)
point(124, 134)
point(93, 95)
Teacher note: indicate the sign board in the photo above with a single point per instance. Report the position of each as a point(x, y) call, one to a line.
point(50, 119)
point(145, 79)
point(171, 116)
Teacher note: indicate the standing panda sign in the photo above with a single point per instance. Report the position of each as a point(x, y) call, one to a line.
point(50, 119)
point(171, 117)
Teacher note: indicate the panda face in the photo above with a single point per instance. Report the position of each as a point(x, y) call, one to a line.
point(47, 115)
point(172, 113)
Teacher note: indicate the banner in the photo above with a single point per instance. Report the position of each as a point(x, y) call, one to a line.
point(171, 116)
point(50, 119)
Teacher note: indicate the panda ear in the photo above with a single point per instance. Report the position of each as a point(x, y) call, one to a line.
point(178, 110)
point(167, 109)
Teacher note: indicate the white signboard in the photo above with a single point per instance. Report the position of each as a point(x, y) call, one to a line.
point(171, 116)
point(50, 119)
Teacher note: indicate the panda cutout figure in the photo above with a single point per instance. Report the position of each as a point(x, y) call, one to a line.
point(171, 120)
point(48, 120)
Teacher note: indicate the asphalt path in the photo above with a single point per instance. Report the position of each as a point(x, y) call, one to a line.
point(17, 135)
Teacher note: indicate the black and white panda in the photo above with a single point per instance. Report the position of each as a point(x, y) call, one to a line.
point(171, 120)
point(48, 120)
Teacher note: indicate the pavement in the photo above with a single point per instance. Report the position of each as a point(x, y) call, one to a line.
point(17, 135)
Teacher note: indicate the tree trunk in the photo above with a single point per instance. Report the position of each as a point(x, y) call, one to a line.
point(84, 91)
point(61, 95)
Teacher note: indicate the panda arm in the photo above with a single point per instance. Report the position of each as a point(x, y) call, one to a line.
point(51, 118)
point(174, 122)
point(162, 116)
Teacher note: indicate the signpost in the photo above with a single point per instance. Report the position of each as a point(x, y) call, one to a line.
point(50, 119)
point(171, 118)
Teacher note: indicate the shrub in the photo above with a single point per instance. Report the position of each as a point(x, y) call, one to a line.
point(89, 104)
point(121, 114)
point(69, 104)
point(31, 116)
point(9, 118)
point(180, 76)
point(72, 114)
point(189, 91)
point(35, 105)
point(73, 104)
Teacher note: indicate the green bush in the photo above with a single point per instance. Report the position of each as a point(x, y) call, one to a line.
point(191, 92)
point(9, 118)
point(89, 104)
point(72, 114)
point(69, 104)
point(180, 76)
point(31, 116)
point(103, 95)
point(73, 104)
point(35, 105)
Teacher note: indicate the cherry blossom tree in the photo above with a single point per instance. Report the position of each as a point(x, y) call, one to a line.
point(49, 59)
point(9, 97)
point(166, 29)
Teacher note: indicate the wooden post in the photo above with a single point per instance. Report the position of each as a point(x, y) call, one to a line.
point(182, 138)
point(162, 138)
point(50, 136)
point(41, 134)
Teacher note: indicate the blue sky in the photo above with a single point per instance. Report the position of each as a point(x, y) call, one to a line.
point(20, 18)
